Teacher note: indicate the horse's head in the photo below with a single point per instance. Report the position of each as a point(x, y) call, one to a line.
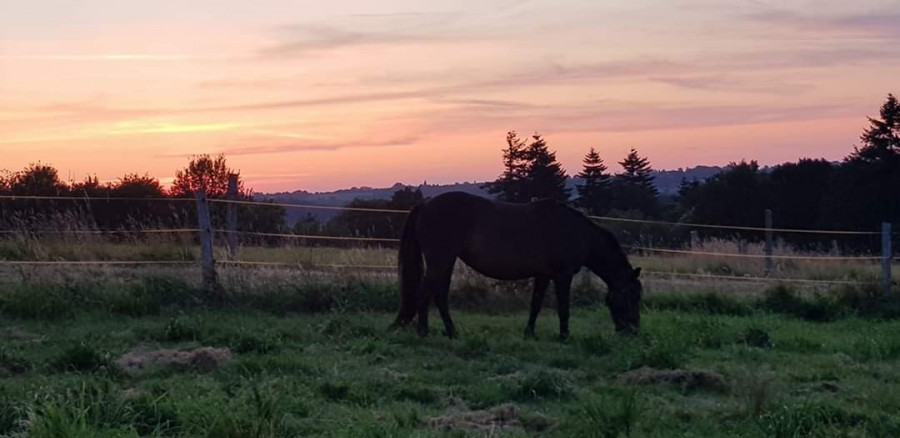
point(624, 301)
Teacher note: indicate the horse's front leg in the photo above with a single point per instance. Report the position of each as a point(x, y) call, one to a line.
point(537, 301)
point(563, 284)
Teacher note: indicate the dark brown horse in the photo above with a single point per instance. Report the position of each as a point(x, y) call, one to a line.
point(545, 240)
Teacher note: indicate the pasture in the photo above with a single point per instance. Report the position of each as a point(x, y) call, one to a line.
point(304, 351)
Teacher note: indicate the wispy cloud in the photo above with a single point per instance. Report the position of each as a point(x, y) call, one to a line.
point(875, 24)
point(722, 82)
point(615, 116)
point(98, 57)
point(307, 38)
point(268, 146)
point(154, 127)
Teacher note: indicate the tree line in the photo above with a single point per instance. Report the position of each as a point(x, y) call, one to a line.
point(856, 193)
point(142, 201)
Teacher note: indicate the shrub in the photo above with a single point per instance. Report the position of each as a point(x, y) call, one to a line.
point(83, 357)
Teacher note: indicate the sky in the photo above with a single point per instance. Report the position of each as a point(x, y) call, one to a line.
point(312, 95)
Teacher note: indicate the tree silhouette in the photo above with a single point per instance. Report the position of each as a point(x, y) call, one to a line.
point(735, 196)
point(5, 180)
point(37, 180)
point(529, 171)
point(798, 192)
point(206, 172)
point(864, 191)
point(133, 185)
point(90, 187)
point(633, 188)
point(545, 178)
point(881, 139)
point(510, 186)
point(376, 224)
point(594, 191)
point(406, 198)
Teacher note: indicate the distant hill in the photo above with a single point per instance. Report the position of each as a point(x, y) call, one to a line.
point(666, 181)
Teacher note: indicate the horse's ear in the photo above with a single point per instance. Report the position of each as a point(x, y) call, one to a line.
point(637, 272)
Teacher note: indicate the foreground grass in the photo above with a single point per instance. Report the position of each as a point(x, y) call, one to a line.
point(342, 374)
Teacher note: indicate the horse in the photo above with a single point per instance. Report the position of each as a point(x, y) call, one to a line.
point(545, 240)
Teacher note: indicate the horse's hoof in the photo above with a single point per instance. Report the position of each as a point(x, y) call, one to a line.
point(422, 332)
point(529, 333)
point(563, 337)
point(450, 335)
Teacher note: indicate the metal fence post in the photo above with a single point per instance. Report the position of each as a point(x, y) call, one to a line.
point(207, 262)
point(768, 242)
point(231, 217)
point(886, 257)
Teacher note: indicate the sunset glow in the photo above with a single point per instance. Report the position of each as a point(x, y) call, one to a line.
point(325, 95)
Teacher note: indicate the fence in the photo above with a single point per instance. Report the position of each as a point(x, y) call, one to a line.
point(205, 234)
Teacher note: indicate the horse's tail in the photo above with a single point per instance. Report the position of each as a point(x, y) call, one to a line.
point(411, 269)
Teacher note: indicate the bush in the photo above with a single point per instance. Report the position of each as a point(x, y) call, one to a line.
point(83, 357)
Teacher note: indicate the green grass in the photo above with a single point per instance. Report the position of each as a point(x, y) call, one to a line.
point(339, 372)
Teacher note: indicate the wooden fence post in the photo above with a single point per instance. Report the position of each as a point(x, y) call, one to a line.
point(231, 217)
point(768, 242)
point(208, 263)
point(886, 257)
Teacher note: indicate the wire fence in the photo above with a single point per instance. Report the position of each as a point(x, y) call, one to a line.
point(885, 258)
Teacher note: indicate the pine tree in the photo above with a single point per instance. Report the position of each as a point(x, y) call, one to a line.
point(594, 192)
point(510, 185)
point(882, 139)
point(545, 178)
point(633, 188)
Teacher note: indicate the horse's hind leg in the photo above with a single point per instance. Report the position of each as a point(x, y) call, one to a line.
point(537, 301)
point(563, 284)
point(441, 299)
point(437, 285)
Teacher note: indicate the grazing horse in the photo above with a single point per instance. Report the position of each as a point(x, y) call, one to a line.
point(544, 239)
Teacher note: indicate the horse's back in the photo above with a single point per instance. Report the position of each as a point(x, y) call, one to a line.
point(499, 239)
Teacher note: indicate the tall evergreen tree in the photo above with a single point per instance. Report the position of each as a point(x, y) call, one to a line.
point(545, 177)
point(864, 189)
point(882, 138)
point(633, 188)
point(510, 185)
point(594, 191)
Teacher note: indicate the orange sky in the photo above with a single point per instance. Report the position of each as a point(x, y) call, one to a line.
point(313, 96)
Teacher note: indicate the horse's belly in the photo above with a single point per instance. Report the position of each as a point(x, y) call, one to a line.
point(502, 268)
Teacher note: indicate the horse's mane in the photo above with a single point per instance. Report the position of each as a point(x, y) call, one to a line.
point(604, 233)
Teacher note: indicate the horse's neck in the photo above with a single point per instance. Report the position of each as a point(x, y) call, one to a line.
point(614, 266)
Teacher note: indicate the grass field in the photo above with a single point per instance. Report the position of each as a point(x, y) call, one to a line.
point(317, 360)
point(304, 351)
